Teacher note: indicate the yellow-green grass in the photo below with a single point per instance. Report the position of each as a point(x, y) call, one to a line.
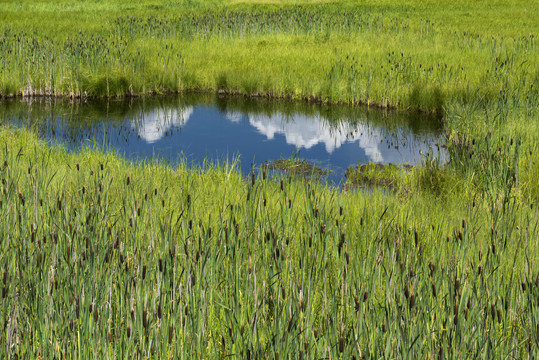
point(105, 258)
point(406, 55)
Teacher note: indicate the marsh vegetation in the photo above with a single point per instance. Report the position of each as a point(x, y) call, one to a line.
point(104, 257)
point(101, 257)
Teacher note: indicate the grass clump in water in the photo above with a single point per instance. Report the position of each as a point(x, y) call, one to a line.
point(373, 174)
point(297, 167)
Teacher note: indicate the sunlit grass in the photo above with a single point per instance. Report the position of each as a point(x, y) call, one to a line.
point(407, 56)
point(103, 257)
point(100, 257)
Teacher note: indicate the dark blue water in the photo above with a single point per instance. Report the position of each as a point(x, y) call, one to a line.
point(206, 128)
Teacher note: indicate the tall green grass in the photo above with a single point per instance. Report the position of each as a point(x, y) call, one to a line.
point(104, 258)
point(101, 258)
point(401, 55)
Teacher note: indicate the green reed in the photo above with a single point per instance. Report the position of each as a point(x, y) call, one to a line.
point(321, 52)
point(104, 258)
point(99, 258)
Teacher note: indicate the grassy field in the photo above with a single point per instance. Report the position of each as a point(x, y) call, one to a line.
point(405, 55)
point(103, 258)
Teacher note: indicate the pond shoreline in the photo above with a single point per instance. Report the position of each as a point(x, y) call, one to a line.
point(369, 104)
point(333, 137)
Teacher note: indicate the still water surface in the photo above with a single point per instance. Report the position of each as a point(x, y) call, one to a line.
point(204, 128)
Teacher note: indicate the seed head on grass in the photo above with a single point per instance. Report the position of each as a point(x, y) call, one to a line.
point(432, 267)
point(412, 300)
point(145, 318)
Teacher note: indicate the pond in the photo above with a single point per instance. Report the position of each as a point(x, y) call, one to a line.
point(204, 129)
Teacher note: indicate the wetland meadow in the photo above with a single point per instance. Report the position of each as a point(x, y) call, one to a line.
point(269, 179)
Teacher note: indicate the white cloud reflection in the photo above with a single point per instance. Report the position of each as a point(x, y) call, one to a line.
point(234, 116)
point(153, 125)
point(307, 131)
point(301, 131)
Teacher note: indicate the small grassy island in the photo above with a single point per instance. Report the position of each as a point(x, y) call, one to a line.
point(105, 258)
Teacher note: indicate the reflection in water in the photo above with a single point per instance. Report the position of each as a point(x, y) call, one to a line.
point(234, 116)
point(305, 132)
point(208, 128)
point(154, 124)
